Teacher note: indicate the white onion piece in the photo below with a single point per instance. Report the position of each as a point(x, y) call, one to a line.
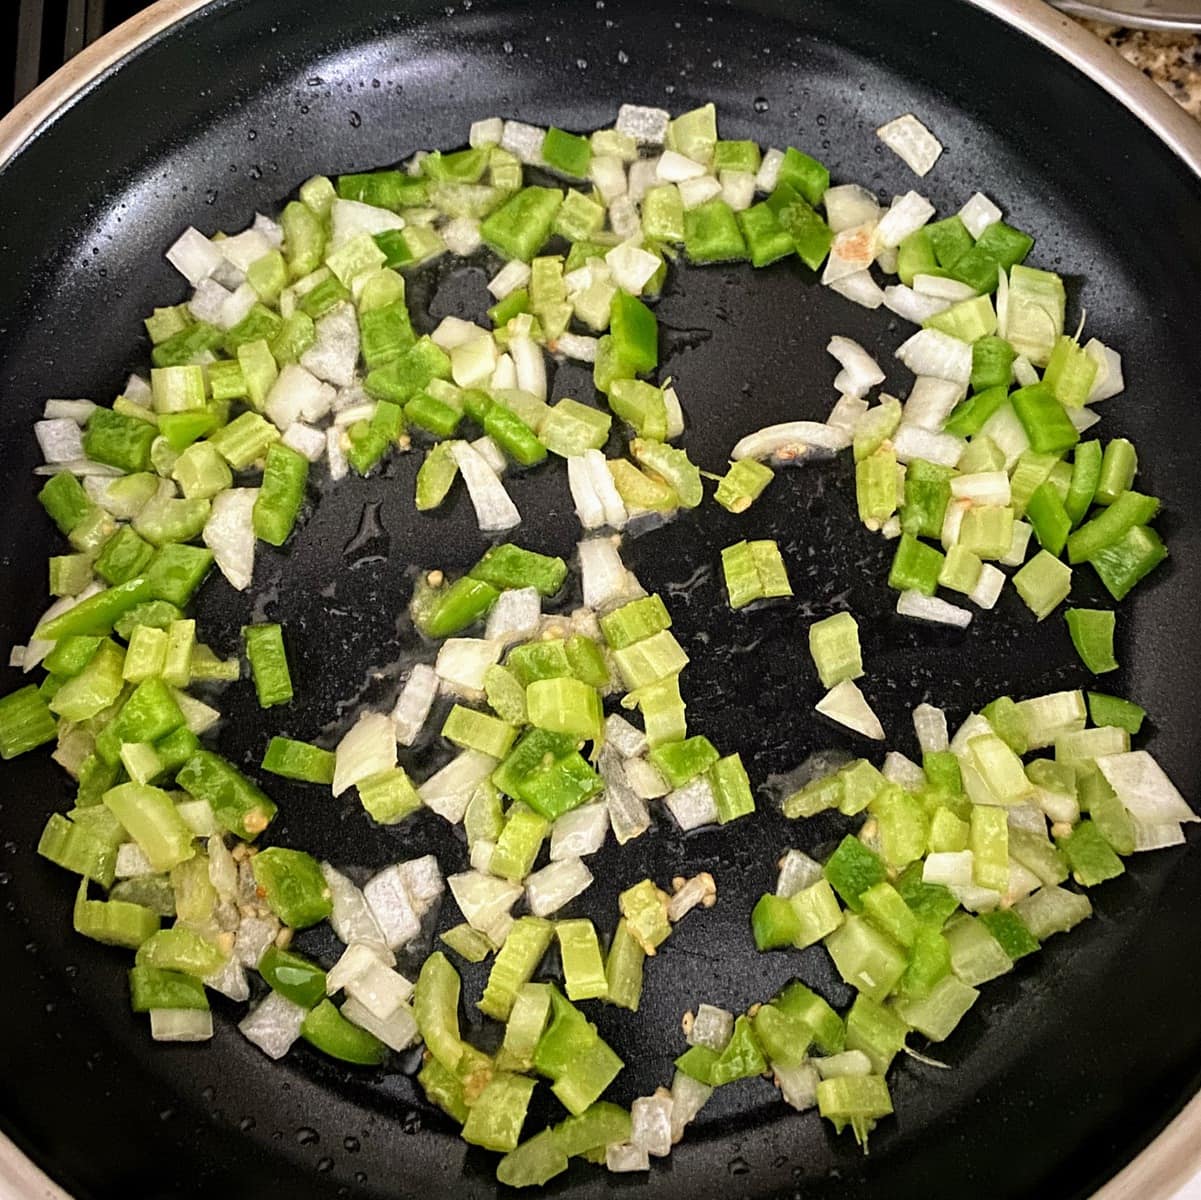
point(688, 1097)
point(448, 791)
point(797, 872)
point(860, 288)
point(482, 898)
point(608, 175)
point(380, 990)
point(76, 410)
point(606, 581)
point(982, 488)
point(273, 1025)
point(907, 215)
point(197, 716)
point(646, 125)
point(912, 142)
point(486, 132)
point(853, 250)
point(797, 1084)
point(352, 919)
point(494, 509)
point(1016, 555)
point(792, 441)
point(490, 452)
point(1157, 835)
point(901, 770)
point(455, 331)
point(695, 192)
point(473, 362)
point(335, 353)
point(624, 1157)
point(306, 440)
point(60, 439)
point(631, 268)
point(414, 703)
point(931, 401)
point(509, 278)
point(1008, 432)
point(988, 587)
point(616, 515)
point(556, 885)
point(932, 352)
point(577, 347)
point(650, 1124)
point(368, 748)
point(673, 167)
point(423, 881)
point(628, 813)
point(462, 662)
point(392, 907)
point(862, 371)
point(974, 725)
point(644, 779)
point(737, 189)
point(847, 413)
point(181, 1024)
point(298, 395)
point(588, 506)
point(930, 726)
point(931, 608)
point(912, 441)
point(907, 303)
point(849, 205)
point(1109, 381)
point(628, 740)
point(1024, 372)
point(846, 704)
point(230, 980)
point(515, 616)
point(950, 868)
point(462, 236)
point(82, 467)
point(1083, 419)
point(694, 804)
point(580, 832)
point(194, 256)
point(398, 1032)
point(942, 288)
point(978, 214)
point(351, 218)
point(1144, 788)
point(339, 467)
point(244, 248)
point(229, 534)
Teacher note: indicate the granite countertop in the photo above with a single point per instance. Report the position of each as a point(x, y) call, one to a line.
point(1172, 60)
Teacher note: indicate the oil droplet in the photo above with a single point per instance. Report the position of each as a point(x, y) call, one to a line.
point(166, 1114)
point(256, 172)
point(582, 63)
point(411, 1122)
point(760, 104)
point(507, 47)
point(738, 1166)
point(360, 1177)
point(306, 1136)
point(355, 119)
point(352, 1145)
point(251, 134)
point(622, 57)
point(325, 1165)
point(208, 1094)
point(370, 528)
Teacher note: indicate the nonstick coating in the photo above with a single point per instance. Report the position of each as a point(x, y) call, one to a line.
point(1065, 1068)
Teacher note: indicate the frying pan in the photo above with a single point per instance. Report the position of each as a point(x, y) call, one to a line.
point(1066, 1068)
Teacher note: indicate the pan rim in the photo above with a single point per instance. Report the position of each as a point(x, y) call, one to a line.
point(1173, 1157)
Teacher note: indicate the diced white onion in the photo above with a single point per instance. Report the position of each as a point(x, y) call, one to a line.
point(490, 452)
point(368, 748)
point(194, 256)
point(907, 303)
point(628, 740)
point(606, 581)
point(351, 218)
point(694, 804)
point(931, 401)
point(628, 813)
point(306, 440)
point(462, 236)
point(414, 703)
point(901, 770)
point(580, 832)
point(608, 175)
point(931, 608)
point(392, 907)
point(688, 1097)
point(1109, 381)
point(334, 354)
point(1083, 419)
point(455, 331)
point(624, 1157)
point(737, 189)
point(644, 779)
point(846, 704)
point(462, 662)
point(988, 587)
point(673, 167)
point(930, 725)
point(494, 509)
point(623, 212)
point(792, 441)
point(556, 885)
point(230, 981)
point(207, 302)
point(711, 1027)
point(907, 215)
point(695, 192)
point(912, 142)
point(942, 288)
point(797, 1084)
point(74, 410)
point(509, 278)
point(797, 872)
point(1024, 372)
point(1144, 788)
point(847, 413)
point(298, 395)
point(849, 205)
point(769, 170)
point(515, 616)
point(982, 488)
point(448, 791)
point(423, 881)
point(862, 371)
point(486, 132)
point(399, 1031)
point(932, 352)
point(650, 1124)
point(851, 251)
point(60, 439)
point(912, 441)
point(229, 534)
point(472, 363)
point(352, 919)
point(336, 453)
point(576, 346)
point(273, 1025)
point(631, 268)
point(181, 1024)
point(978, 214)
point(481, 898)
point(1016, 555)
point(860, 289)
point(646, 125)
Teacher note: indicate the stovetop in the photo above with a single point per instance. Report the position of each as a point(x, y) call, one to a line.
point(38, 36)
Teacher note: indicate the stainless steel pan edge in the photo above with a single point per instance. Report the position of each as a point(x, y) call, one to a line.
point(1167, 1164)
